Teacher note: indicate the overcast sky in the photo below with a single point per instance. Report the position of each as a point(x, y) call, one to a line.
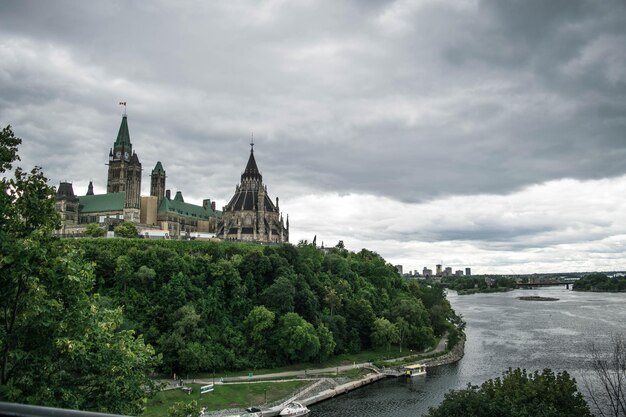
point(484, 134)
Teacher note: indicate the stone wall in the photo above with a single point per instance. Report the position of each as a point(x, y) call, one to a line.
point(455, 355)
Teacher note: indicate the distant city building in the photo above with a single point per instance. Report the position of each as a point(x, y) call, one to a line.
point(468, 272)
point(427, 273)
point(447, 272)
point(458, 273)
point(438, 269)
point(399, 269)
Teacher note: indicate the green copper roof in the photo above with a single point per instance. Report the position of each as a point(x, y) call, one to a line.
point(123, 137)
point(185, 209)
point(101, 202)
point(158, 168)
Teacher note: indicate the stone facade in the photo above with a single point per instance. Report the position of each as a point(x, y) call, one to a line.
point(251, 216)
point(123, 201)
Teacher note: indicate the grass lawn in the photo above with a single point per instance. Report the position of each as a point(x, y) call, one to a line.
point(373, 355)
point(223, 397)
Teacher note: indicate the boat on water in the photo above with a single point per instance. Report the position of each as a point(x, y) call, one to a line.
point(294, 409)
point(415, 370)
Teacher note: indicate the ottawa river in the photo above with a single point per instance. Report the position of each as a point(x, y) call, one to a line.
point(502, 332)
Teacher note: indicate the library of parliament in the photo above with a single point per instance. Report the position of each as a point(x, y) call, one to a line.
point(250, 215)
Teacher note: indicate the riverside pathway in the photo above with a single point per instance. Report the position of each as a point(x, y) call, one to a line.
point(305, 373)
point(321, 388)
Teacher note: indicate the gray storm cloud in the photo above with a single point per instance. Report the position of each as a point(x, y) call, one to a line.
point(411, 101)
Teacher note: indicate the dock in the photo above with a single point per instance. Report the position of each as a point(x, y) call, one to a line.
point(309, 396)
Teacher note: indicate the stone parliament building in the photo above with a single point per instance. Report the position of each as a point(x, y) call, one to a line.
point(249, 216)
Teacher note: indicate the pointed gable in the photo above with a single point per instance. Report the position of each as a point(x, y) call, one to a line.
point(251, 171)
point(123, 136)
point(158, 168)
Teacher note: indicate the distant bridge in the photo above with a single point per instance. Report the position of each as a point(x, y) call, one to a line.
point(529, 285)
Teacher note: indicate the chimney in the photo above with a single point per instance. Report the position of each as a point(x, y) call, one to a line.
point(168, 194)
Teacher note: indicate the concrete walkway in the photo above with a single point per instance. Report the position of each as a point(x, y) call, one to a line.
point(322, 388)
point(305, 373)
point(300, 374)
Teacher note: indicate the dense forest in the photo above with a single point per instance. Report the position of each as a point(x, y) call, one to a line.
point(218, 305)
point(600, 283)
point(84, 323)
point(61, 344)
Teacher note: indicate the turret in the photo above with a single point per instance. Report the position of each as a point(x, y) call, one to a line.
point(157, 182)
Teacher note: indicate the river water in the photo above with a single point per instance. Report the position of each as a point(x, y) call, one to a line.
point(502, 332)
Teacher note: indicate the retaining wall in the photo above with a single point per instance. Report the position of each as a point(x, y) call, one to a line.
point(455, 355)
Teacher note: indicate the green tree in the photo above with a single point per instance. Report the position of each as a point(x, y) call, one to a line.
point(418, 333)
point(126, 230)
point(184, 347)
point(332, 300)
point(94, 230)
point(279, 297)
point(384, 333)
point(517, 394)
point(184, 409)
point(327, 342)
point(297, 338)
point(59, 344)
point(600, 282)
point(403, 328)
point(259, 326)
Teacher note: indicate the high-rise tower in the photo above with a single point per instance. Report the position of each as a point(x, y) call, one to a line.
point(125, 172)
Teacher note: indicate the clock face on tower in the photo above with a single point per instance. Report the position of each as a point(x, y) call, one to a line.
point(125, 155)
point(118, 154)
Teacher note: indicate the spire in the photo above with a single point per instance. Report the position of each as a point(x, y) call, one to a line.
point(251, 171)
point(158, 168)
point(123, 137)
point(65, 190)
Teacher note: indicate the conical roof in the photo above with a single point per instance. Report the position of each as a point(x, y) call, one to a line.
point(158, 168)
point(123, 137)
point(251, 171)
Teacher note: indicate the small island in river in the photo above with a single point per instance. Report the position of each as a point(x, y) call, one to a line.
point(536, 298)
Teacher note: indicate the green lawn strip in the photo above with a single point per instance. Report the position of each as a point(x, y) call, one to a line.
point(355, 373)
point(374, 355)
point(224, 396)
